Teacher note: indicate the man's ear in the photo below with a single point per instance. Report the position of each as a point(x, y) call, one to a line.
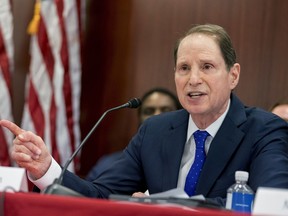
point(234, 75)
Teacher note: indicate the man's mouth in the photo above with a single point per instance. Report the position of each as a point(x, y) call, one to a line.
point(195, 94)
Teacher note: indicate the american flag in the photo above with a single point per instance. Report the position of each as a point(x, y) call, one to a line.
point(6, 69)
point(52, 103)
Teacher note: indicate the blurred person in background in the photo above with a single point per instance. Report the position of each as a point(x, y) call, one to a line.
point(281, 109)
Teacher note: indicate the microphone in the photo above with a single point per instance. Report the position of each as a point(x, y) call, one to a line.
point(56, 187)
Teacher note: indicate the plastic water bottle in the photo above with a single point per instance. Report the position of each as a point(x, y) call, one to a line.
point(240, 196)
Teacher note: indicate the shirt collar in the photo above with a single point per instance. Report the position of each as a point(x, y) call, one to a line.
point(211, 129)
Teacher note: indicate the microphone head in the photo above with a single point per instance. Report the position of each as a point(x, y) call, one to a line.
point(134, 103)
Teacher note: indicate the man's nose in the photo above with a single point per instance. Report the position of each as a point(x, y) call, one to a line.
point(195, 77)
point(157, 112)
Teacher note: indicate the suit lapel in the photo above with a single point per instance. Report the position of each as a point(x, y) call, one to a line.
point(172, 148)
point(220, 152)
point(224, 144)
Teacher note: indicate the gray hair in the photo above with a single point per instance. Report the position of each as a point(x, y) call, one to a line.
point(222, 39)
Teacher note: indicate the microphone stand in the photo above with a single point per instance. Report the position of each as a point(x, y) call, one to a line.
point(56, 187)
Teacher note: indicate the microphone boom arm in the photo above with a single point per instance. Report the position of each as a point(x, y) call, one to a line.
point(60, 179)
point(57, 187)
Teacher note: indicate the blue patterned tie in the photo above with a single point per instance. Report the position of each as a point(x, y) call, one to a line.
point(196, 168)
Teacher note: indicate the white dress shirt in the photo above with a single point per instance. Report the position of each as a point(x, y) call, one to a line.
point(189, 149)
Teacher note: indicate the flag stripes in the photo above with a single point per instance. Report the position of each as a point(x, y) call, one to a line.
point(6, 69)
point(53, 87)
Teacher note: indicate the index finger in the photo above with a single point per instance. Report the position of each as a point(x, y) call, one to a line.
point(11, 126)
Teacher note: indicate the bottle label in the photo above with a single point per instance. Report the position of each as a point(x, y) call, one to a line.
point(242, 202)
point(229, 201)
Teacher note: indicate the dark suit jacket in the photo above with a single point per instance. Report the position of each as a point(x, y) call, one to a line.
point(249, 139)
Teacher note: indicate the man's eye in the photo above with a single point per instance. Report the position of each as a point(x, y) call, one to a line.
point(148, 111)
point(185, 67)
point(166, 109)
point(207, 66)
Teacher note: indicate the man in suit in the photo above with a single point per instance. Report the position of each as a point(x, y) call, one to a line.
point(161, 155)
